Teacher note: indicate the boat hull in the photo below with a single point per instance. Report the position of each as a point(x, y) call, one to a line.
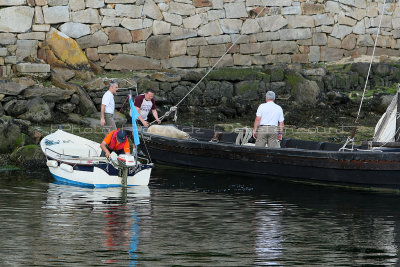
point(98, 177)
point(360, 168)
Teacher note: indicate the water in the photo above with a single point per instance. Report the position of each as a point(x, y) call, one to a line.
point(187, 218)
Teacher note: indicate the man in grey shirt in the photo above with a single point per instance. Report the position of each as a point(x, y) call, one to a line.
point(107, 108)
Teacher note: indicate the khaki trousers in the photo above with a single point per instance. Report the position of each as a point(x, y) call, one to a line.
point(267, 135)
point(110, 123)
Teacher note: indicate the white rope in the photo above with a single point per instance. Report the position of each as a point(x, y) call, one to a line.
point(194, 87)
point(244, 136)
point(351, 139)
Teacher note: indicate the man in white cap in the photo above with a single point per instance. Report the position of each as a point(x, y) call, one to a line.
point(269, 115)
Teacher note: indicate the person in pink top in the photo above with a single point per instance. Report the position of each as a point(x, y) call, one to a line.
point(143, 104)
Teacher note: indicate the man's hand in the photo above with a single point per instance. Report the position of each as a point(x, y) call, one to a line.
point(145, 124)
point(108, 154)
point(280, 137)
point(254, 134)
point(158, 121)
point(102, 121)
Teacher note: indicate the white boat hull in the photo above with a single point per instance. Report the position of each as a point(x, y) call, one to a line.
point(75, 160)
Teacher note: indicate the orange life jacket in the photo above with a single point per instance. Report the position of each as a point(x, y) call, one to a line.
point(113, 144)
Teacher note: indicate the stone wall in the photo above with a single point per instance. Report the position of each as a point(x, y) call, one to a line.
point(162, 34)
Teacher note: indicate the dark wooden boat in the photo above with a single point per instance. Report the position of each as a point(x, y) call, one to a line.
point(296, 159)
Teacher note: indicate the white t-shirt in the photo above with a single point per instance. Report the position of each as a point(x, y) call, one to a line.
point(270, 113)
point(108, 100)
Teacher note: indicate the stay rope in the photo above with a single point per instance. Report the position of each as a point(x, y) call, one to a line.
point(353, 133)
point(175, 108)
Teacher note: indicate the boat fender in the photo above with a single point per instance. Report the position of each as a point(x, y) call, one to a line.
point(52, 163)
point(66, 167)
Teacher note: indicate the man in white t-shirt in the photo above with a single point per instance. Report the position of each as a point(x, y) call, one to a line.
point(143, 104)
point(268, 116)
point(107, 108)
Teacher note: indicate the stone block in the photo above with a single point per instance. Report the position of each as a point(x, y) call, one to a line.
point(312, 9)
point(299, 58)
point(215, 14)
point(212, 50)
point(220, 39)
point(359, 28)
point(26, 48)
point(41, 2)
point(10, 60)
point(235, 10)
point(173, 18)
point(56, 14)
point(178, 48)
point(284, 47)
point(213, 28)
point(109, 12)
point(217, 4)
point(161, 27)
point(324, 19)
point(57, 2)
point(39, 18)
point(151, 10)
point(120, 1)
point(182, 9)
point(118, 35)
point(111, 21)
point(295, 34)
point(241, 60)
point(132, 24)
point(158, 47)
point(192, 22)
point(3, 52)
point(7, 38)
point(226, 61)
point(12, 2)
point(334, 43)
point(89, 15)
point(231, 25)
point(259, 60)
point(92, 54)
point(129, 11)
point(346, 21)
point(41, 28)
point(267, 36)
point(250, 26)
point(319, 38)
point(1, 62)
point(300, 21)
point(137, 49)
point(272, 23)
point(130, 62)
point(291, 10)
point(180, 62)
point(140, 35)
point(178, 33)
point(99, 38)
point(75, 5)
point(94, 3)
point(252, 48)
point(193, 50)
point(331, 54)
point(349, 42)
point(33, 68)
point(32, 36)
point(199, 41)
point(74, 29)
point(266, 48)
point(16, 19)
point(340, 31)
point(202, 3)
point(110, 49)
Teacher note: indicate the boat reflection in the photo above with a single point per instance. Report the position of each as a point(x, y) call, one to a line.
point(107, 216)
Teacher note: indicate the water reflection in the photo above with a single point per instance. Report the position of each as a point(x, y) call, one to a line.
point(82, 212)
point(191, 218)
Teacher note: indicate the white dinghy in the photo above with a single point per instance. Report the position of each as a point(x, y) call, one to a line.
point(76, 160)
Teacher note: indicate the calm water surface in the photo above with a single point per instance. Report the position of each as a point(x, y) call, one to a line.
point(195, 219)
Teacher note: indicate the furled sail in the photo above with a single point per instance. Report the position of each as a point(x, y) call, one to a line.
point(385, 129)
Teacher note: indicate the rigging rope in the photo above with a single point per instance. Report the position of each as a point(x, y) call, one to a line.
point(353, 133)
point(175, 108)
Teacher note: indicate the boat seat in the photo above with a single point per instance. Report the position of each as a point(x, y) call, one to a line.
point(76, 150)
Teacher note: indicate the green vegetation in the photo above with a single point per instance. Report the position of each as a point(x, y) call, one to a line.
point(293, 79)
point(20, 140)
point(355, 95)
point(249, 86)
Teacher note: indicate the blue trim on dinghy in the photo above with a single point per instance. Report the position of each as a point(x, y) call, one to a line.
point(69, 182)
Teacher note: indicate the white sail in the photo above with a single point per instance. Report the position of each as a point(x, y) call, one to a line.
point(385, 129)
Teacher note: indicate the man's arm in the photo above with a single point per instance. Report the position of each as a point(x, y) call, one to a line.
point(127, 149)
point(103, 146)
point(155, 114)
point(281, 126)
point(145, 123)
point(102, 111)
point(256, 123)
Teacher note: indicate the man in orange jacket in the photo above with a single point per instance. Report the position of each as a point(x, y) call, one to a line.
point(115, 141)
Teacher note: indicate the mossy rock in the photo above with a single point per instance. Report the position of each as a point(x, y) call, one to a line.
point(237, 74)
point(28, 156)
